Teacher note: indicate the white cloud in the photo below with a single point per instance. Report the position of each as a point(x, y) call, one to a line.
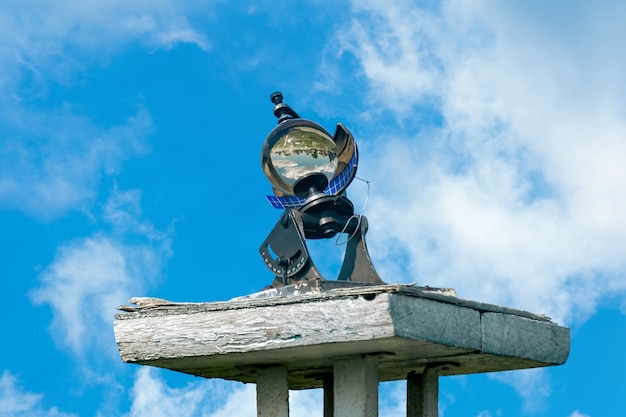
point(123, 212)
point(52, 163)
point(12, 400)
point(577, 413)
point(87, 280)
point(208, 398)
point(151, 396)
point(392, 398)
point(51, 159)
point(39, 35)
point(532, 385)
point(240, 401)
point(397, 59)
point(90, 277)
point(17, 402)
point(517, 196)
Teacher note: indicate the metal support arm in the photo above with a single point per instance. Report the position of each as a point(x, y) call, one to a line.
point(285, 253)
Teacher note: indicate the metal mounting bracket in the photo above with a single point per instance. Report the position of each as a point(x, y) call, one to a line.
point(285, 253)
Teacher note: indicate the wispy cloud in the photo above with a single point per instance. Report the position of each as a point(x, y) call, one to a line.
point(15, 401)
point(151, 396)
point(52, 163)
point(515, 195)
point(52, 158)
point(577, 413)
point(532, 385)
point(487, 413)
point(394, 45)
point(392, 399)
point(91, 276)
point(42, 35)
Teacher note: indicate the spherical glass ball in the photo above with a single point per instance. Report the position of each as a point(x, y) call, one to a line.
point(295, 150)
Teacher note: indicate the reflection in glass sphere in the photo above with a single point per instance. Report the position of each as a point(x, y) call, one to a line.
point(301, 150)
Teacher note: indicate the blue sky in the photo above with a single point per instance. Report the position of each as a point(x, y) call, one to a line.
point(493, 136)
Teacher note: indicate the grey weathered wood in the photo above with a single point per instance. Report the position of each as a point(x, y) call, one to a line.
point(272, 392)
point(404, 328)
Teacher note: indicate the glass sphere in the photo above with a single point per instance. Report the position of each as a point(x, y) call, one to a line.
point(295, 150)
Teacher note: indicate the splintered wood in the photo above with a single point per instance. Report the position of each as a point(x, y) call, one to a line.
point(402, 328)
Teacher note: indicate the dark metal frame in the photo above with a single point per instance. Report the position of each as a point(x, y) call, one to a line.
point(322, 216)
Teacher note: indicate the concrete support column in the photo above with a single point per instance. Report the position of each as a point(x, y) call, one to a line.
point(272, 392)
point(423, 394)
point(329, 396)
point(356, 387)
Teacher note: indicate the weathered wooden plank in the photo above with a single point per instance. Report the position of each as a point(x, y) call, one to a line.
point(156, 306)
point(404, 329)
point(254, 329)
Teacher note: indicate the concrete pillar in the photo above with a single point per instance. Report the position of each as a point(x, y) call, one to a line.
point(356, 387)
point(329, 396)
point(272, 392)
point(423, 394)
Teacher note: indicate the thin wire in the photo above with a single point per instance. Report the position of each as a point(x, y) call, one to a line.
point(367, 194)
point(354, 216)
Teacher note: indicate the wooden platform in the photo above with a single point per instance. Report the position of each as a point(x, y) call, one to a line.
point(307, 328)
